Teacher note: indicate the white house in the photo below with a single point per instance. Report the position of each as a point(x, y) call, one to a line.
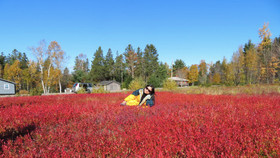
point(180, 81)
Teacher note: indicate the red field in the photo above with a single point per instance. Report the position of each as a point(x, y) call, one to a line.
point(179, 125)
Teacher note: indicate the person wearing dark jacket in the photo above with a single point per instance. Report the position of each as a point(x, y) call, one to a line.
point(141, 97)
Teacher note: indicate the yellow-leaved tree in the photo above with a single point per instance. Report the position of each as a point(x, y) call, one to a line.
point(193, 74)
point(6, 72)
point(268, 69)
point(58, 56)
point(47, 60)
point(251, 63)
point(228, 73)
point(34, 75)
point(264, 34)
point(216, 78)
point(14, 73)
point(1, 71)
point(274, 65)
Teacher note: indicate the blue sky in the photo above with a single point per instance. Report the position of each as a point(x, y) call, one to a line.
point(179, 29)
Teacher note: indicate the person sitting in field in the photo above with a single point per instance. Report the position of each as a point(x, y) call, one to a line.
point(143, 96)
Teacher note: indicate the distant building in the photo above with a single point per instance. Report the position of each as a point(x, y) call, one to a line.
point(7, 87)
point(110, 85)
point(180, 81)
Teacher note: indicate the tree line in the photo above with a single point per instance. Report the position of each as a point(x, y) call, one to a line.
point(250, 64)
point(123, 68)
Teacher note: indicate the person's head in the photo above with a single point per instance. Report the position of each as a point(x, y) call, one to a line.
point(149, 89)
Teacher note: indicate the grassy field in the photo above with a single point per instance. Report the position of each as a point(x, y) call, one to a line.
point(224, 90)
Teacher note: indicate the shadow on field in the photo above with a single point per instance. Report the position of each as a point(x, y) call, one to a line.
point(12, 134)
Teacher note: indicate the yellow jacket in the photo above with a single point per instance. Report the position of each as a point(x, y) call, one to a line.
point(134, 99)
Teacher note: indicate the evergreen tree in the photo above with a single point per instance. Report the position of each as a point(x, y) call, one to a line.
point(66, 79)
point(157, 78)
point(276, 55)
point(2, 59)
point(86, 66)
point(97, 66)
point(24, 62)
point(127, 80)
point(179, 64)
point(150, 61)
point(139, 64)
point(79, 76)
point(119, 68)
point(21, 57)
point(13, 57)
point(248, 46)
point(2, 64)
point(80, 73)
point(109, 65)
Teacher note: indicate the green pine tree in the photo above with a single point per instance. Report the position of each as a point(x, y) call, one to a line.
point(97, 66)
point(157, 78)
point(139, 64)
point(150, 61)
point(109, 65)
point(178, 64)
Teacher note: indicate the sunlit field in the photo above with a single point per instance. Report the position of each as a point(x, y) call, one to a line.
point(233, 90)
point(179, 125)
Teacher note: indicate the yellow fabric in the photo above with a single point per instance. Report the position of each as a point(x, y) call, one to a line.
point(133, 100)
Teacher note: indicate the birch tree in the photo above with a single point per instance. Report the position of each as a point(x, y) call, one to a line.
point(40, 53)
point(56, 57)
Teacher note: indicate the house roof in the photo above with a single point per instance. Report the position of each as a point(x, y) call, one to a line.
point(7, 81)
point(177, 79)
point(103, 83)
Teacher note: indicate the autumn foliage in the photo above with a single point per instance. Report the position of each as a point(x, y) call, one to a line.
point(179, 125)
